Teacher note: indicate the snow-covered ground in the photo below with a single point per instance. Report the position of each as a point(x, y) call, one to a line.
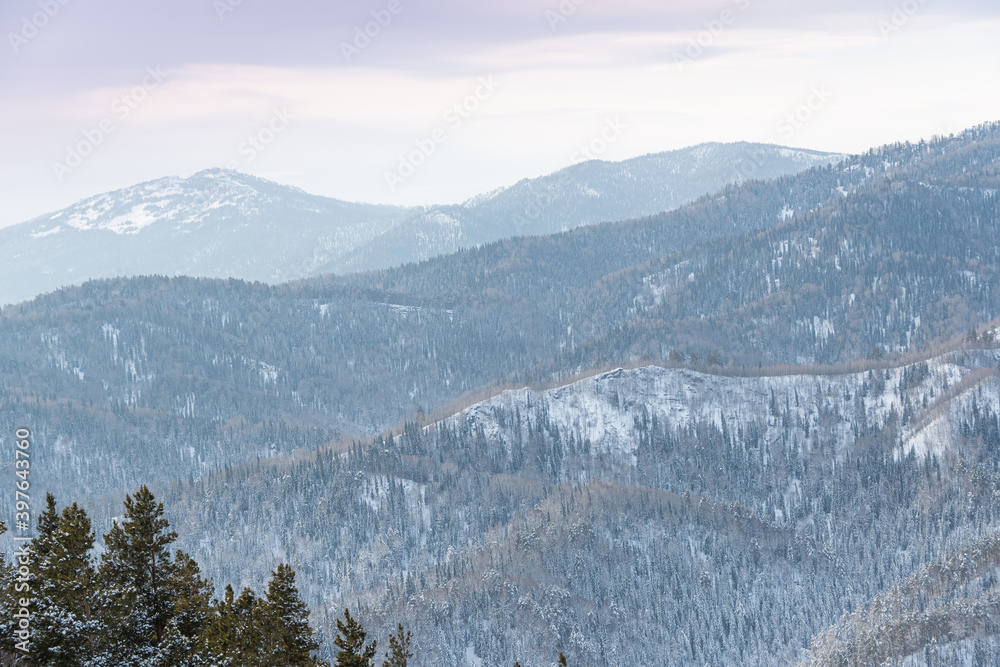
point(604, 409)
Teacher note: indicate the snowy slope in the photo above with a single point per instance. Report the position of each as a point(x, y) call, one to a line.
point(653, 488)
point(215, 224)
point(224, 224)
point(820, 409)
point(584, 194)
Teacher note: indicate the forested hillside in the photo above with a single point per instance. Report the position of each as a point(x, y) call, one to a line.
point(784, 448)
point(587, 193)
point(225, 224)
point(892, 250)
point(943, 614)
point(652, 516)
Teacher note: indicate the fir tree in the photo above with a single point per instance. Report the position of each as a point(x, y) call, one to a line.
point(351, 642)
point(234, 636)
point(8, 624)
point(65, 629)
point(288, 637)
point(138, 580)
point(192, 602)
point(399, 648)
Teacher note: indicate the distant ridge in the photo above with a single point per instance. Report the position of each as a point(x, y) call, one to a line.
point(225, 224)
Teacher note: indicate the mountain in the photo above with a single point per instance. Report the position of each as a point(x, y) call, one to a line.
point(154, 379)
point(584, 194)
point(810, 415)
point(896, 248)
point(646, 516)
point(223, 224)
point(216, 224)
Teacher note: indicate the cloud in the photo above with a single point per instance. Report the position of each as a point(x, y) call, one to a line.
point(224, 79)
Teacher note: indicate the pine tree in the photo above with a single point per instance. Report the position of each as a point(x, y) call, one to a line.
point(137, 563)
point(192, 602)
point(48, 524)
point(65, 627)
point(8, 623)
point(62, 576)
point(137, 576)
point(288, 637)
point(234, 637)
point(399, 648)
point(144, 607)
point(351, 642)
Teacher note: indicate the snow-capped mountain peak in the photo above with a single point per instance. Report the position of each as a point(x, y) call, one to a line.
point(170, 200)
point(220, 223)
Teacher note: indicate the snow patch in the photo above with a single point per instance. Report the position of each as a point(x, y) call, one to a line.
point(823, 329)
point(471, 659)
point(268, 373)
point(50, 232)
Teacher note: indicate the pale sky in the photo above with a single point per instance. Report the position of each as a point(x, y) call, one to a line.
point(147, 90)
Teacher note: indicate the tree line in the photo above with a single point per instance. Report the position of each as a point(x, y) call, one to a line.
point(138, 604)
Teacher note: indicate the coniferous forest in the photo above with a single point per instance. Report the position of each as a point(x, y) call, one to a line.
point(140, 603)
point(762, 429)
point(526, 333)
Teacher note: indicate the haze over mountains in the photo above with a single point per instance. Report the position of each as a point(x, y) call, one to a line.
point(222, 224)
point(806, 418)
point(197, 363)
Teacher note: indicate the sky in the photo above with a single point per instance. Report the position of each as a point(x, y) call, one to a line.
point(433, 101)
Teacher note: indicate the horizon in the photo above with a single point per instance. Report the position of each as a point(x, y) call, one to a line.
point(430, 205)
point(335, 99)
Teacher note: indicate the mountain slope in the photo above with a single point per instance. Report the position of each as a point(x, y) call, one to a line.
point(637, 517)
point(945, 611)
point(762, 272)
point(150, 379)
point(661, 514)
point(215, 224)
point(221, 224)
point(584, 194)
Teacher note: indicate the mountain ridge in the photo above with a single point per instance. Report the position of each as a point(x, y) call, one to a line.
point(531, 490)
point(642, 515)
point(221, 224)
point(139, 362)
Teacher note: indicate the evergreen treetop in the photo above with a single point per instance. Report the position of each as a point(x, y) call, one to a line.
point(351, 642)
